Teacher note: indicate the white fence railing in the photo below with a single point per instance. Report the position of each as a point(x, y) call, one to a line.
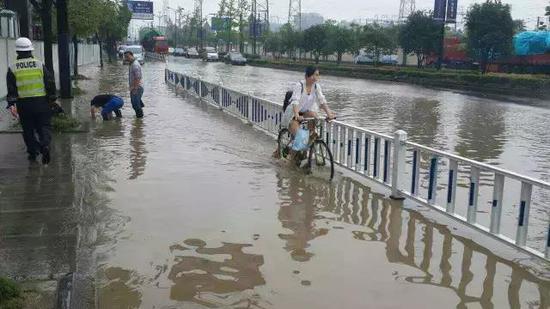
point(394, 162)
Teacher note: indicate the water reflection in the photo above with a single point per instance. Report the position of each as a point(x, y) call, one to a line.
point(481, 131)
point(120, 290)
point(297, 214)
point(138, 152)
point(206, 275)
point(445, 260)
point(420, 119)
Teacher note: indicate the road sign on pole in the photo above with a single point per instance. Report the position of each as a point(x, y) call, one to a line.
point(440, 8)
point(452, 6)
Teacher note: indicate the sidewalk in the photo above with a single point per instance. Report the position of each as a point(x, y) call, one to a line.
point(37, 231)
point(41, 215)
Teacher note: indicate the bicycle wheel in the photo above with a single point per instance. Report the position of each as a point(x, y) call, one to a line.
point(284, 140)
point(320, 160)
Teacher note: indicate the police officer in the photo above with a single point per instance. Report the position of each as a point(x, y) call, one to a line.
point(31, 87)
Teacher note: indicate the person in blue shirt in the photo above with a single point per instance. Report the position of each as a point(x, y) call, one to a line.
point(108, 103)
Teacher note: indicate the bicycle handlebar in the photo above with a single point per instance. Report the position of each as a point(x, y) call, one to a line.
point(305, 120)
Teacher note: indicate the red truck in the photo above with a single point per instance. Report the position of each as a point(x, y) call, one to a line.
point(155, 44)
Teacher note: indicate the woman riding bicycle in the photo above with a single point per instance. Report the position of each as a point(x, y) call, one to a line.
point(307, 98)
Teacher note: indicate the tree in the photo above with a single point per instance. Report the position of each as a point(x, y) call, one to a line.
point(84, 20)
point(315, 40)
point(44, 9)
point(380, 40)
point(420, 35)
point(356, 32)
point(289, 39)
point(339, 39)
point(273, 43)
point(519, 26)
point(231, 11)
point(222, 27)
point(243, 9)
point(490, 31)
point(113, 26)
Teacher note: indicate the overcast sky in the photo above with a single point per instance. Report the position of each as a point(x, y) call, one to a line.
point(361, 9)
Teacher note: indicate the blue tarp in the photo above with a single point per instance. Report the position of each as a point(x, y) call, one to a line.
point(532, 43)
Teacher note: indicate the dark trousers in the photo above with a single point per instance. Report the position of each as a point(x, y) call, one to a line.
point(35, 117)
point(137, 104)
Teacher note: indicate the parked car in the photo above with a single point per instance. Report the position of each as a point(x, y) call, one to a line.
point(179, 51)
point(210, 54)
point(389, 59)
point(235, 58)
point(193, 53)
point(363, 59)
point(171, 50)
point(138, 52)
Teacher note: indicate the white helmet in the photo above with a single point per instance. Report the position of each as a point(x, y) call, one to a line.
point(23, 44)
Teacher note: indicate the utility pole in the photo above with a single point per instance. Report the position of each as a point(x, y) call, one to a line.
point(260, 21)
point(63, 48)
point(198, 21)
point(405, 9)
point(295, 14)
point(295, 21)
point(178, 26)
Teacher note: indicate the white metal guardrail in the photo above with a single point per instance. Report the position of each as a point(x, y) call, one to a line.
point(391, 161)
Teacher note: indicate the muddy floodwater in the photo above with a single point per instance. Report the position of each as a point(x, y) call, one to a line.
point(191, 212)
point(186, 209)
point(508, 132)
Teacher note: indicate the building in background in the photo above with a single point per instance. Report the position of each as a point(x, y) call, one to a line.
point(309, 20)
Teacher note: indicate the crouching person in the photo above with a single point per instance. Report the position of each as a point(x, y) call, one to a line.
point(108, 103)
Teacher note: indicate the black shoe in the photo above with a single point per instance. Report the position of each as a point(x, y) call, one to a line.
point(139, 113)
point(31, 157)
point(46, 156)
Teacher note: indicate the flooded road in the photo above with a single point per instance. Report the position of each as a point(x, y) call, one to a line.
point(191, 212)
point(510, 133)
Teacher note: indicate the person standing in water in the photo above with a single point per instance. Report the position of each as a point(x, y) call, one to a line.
point(135, 78)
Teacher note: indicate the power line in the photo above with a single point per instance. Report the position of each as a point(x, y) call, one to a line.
point(406, 8)
point(295, 14)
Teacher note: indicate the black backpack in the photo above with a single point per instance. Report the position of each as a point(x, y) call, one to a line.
point(289, 94)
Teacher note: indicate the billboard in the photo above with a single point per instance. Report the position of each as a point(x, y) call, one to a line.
point(219, 23)
point(141, 9)
point(440, 8)
point(452, 6)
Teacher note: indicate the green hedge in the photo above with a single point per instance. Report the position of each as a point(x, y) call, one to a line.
point(529, 85)
point(63, 123)
point(10, 294)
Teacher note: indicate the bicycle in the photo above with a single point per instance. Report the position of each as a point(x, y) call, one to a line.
point(319, 157)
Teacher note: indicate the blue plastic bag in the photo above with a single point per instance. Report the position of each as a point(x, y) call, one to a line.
point(301, 140)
